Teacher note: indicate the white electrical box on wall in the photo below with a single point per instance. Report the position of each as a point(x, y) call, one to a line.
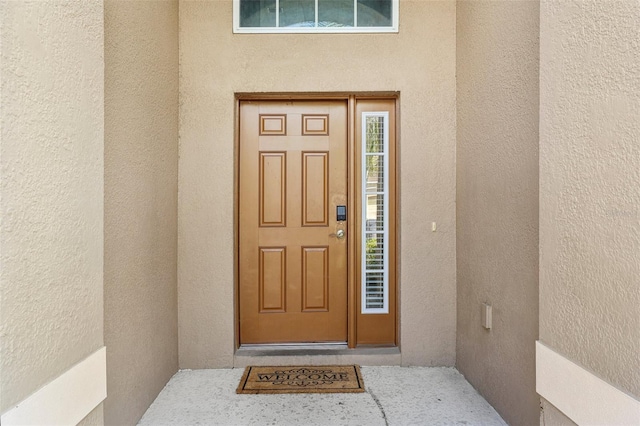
point(486, 316)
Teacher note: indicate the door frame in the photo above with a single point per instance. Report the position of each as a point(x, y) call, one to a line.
point(353, 194)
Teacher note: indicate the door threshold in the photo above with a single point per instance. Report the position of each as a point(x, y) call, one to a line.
point(293, 349)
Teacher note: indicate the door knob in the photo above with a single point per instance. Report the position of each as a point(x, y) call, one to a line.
point(340, 234)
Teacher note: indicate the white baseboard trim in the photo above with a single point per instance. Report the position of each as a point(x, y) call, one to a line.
point(67, 399)
point(579, 394)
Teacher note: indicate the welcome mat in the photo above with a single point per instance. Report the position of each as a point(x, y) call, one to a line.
point(301, 379)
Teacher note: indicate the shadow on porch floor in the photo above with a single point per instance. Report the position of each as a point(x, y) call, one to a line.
point(394, 396)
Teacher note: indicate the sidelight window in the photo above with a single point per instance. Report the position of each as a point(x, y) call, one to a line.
point(315, 16)
point(375, 213)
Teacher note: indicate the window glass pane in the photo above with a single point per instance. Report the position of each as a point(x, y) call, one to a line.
point(374, 13)
point(257, 13)
point(375, 135)
point(375, 212)
point(297, 13)
point(374, 174)
point(374, 293)
point(375, 252)
point(335, 13)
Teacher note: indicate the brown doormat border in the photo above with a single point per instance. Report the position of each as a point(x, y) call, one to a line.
point(301, 379)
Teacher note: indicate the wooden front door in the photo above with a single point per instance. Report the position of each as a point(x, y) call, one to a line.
point(292, 248)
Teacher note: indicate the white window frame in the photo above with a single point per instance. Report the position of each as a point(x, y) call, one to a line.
point(395, 11)
point(363, 218)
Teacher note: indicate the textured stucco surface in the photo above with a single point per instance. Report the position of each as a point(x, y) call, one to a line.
point(497, 201)
point(590, 186)
point(551, 416)
point(141, 184)
point(214, 63)
point(51, 191)
point(94, 418)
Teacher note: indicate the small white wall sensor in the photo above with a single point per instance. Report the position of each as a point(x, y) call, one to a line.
point(486, 316)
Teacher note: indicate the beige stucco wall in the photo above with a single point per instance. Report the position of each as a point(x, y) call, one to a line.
point(497, 201)
point(214, 64)
point(550, 415)
point(141, 172)
point(94, 418)
point(51, 191)
point(589, 186)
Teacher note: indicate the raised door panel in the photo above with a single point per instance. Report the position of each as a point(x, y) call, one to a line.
point(315, 188)
point(273, 188)
point(315, 279)
point(272, 279)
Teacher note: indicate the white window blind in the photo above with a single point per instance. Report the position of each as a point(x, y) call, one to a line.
point(375, 213)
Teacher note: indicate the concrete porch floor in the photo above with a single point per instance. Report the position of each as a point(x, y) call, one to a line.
point(394, 396)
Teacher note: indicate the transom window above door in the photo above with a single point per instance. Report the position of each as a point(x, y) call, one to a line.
point(315, 16)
